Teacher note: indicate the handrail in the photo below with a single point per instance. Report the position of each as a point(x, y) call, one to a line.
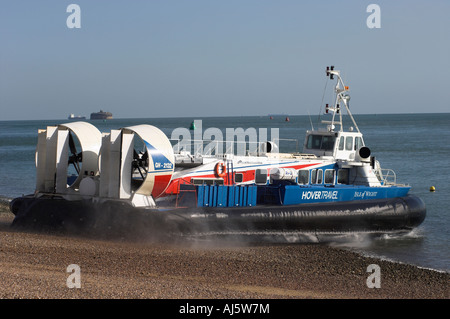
point(199, 145)
point(289, 140)
point(386, 176)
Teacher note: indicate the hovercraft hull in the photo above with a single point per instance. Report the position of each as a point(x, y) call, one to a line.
point(115, 217)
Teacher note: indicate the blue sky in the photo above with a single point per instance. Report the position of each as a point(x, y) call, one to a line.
point(220, 58)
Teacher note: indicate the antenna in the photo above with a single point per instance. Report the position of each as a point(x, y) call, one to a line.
point(342, 96)
point(310, 121)
point(321, 103)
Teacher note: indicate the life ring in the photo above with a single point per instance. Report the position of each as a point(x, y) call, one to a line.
point(220, 170)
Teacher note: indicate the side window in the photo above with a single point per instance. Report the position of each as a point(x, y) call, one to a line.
point(328, 143)
point(319, 176)
point(313, 176)
point(329, 176)
point(207, 181)
point(314, 141)
point(349, 143)
point(343, 176)
point(261, 176)
point(341, 143)
point(303, 176)
point(238, 177)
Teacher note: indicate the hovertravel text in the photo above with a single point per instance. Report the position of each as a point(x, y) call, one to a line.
point(320, 195)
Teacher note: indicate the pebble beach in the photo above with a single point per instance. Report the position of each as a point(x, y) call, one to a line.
point(34, 265)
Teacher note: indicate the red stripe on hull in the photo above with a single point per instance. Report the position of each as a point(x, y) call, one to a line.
point(248, 176)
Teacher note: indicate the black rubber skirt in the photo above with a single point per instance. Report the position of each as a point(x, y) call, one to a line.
point(119, 218)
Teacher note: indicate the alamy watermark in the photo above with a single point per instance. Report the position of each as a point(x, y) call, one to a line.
point(374, 279)
point(74, 19)
point(74, 279)
point(374, 19)
point(238, 141)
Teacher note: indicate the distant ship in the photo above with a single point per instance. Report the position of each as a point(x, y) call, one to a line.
point(101, 115)
point(73, 117)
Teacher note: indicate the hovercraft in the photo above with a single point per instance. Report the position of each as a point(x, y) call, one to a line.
point(134, 179)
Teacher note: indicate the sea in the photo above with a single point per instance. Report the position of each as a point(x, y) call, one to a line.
point(415, 146)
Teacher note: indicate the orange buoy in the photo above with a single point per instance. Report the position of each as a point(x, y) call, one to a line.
point(220, 170)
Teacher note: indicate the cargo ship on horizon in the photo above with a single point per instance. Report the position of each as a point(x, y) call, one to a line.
point(102, 115)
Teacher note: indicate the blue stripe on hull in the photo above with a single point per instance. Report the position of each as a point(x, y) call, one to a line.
point(294, 194)
point(286, 195)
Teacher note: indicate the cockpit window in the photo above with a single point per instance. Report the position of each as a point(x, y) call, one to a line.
point(349, 143)
point(321, 142)
point(358, 143)
point(341, 143)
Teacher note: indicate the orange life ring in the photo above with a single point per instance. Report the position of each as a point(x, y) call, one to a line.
point(220, 170)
